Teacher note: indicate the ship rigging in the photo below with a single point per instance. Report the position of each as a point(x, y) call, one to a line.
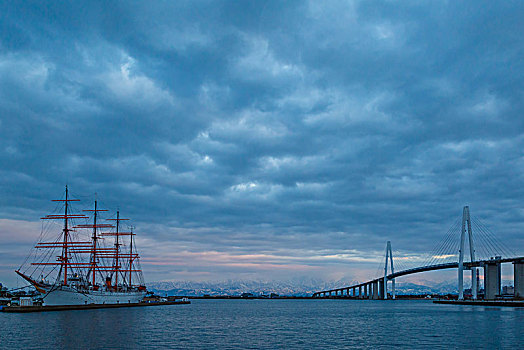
point(87, 267)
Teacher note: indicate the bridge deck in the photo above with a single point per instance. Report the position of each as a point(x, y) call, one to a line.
point(451, 265)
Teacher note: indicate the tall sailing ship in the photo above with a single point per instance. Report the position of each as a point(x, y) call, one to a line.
point(89, 262)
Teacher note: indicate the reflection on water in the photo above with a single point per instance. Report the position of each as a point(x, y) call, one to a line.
point(270, 324)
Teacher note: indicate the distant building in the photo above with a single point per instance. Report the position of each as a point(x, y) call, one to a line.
point(247, 295)
point(154, 299)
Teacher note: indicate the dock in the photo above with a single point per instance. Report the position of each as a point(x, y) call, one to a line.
point(19, 309)
point(510, 303)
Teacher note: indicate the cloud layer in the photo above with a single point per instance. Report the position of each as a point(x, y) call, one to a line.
point(263, 139)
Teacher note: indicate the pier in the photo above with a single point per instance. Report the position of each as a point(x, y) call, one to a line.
point(19, 309)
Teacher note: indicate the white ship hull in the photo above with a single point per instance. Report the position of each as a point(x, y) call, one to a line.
point(70, 296)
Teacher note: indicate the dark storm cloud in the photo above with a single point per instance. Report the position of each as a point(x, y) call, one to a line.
point(298, 130)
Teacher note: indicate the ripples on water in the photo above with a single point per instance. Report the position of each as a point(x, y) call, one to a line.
point(270, 324)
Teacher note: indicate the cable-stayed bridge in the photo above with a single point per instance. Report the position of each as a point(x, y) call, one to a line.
point(449, 254)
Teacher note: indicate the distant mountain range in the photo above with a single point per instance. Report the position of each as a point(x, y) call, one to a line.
point(231, 287)
point(295, 287)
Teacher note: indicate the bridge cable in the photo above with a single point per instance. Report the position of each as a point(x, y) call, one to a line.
point(441, 249)
point(380, 269)
point(491, 247)
point(444, 246)
point(484, 243)
point(502, 245)
point(496, 244)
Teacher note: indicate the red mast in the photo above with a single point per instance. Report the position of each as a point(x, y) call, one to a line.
point(64, 258)
point(66, 233)
point(130, 257)
point(117, 255)
point(117, 235)
point(94, 239)
point(117, 247)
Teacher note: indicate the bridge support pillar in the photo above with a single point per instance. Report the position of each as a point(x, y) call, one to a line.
point(474, 286)
point(466, 227)
point(393, 295)
point(491, 279)
point(382, 289)
point(518, 279)
point(375, 290)
point(461, 281)
point(360, 292)
point(389, 253)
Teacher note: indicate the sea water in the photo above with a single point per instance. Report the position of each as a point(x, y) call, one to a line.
point(270, 324)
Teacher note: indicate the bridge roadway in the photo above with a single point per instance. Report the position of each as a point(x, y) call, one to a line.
point(467, 265)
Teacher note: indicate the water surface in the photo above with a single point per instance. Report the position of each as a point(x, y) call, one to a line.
point(270, 324)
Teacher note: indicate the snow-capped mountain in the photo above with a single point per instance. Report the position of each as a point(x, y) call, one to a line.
point(295, 287)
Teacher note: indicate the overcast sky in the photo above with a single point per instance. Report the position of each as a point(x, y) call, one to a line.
point(264, 139)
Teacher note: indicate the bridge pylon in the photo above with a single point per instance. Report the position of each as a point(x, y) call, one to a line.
point(466, 225)
point(389, 254)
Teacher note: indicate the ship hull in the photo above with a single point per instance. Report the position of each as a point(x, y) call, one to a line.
point(70, 296)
